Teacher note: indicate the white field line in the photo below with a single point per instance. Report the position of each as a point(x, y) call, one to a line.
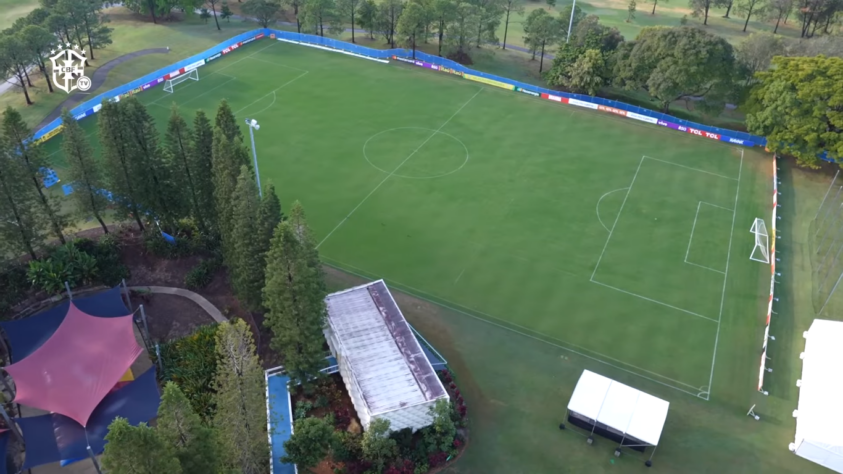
point(606, 245)
point(725, 279)
point(707, 268)
point(397, 168)
point(688, 251)
point(694, 226)
point(719, 207)
point(690, 168)
point(655, 301)
point(597, 207)
point(272, 92)
point(198, 96)
point(564, 345)
point(459, 276)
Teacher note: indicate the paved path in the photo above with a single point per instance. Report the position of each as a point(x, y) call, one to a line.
point(195, 297)
point(98, 78)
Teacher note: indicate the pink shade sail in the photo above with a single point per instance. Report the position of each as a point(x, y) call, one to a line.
point(76, 368)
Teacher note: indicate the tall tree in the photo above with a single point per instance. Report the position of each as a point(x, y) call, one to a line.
point(32, 153)
point(193, 443)
point(299, 222)
point(387, 20)
point(159, 194)
point(347, 11)
point(226, 121)
point(39, 42)
point(443, 14)
point(571, 16)
point(541, 30)
point(757, 51)
point(367, 15)
point(489, 14)
point(213, 4)
point(14, 60)
point(460, 30)
point(228, 157)
point(727, 4)
point(701, 8)
point(265, 11)
point(294, 296)
point(117, 160)
point(201, 166)
point(20, 222)
point(316, 14)
point(179, 152)
point(748, 7)
point(510, 7)
point(574, 67)
point(249, 260)
point(239, 395)
point(83, 170)
point(296, 5)
point(587, 73)
point(656, 2)
point(673, 63)
point(269, 216)
point(137, 450)
point(797, 106)
point(411, 25)
point(779, 9)
point(92, 22)
point(631, 7)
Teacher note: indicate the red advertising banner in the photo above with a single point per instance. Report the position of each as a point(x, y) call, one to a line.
point(612, 110)
point(702, 133)
point(554, 98)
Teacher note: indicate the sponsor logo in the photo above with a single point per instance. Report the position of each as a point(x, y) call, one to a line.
point(554, 98)
point(272, 35)
point(81, 116)
point(642, 118)
point(611, 110)
point(662, 123)
point(404, 60)
point(216, 56)
point(737, 141)
point(69, 69)
point(193, 66)
point(247, 41)
point(490, 82)
point(50, 134)
point(534, 94)
point(97, 108)
point(581, 103)
point(226, 50)
point(261, 36)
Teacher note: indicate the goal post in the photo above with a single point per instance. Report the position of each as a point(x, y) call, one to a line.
point(761, 251)
point(193, 75)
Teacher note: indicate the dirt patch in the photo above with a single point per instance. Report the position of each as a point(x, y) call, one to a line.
point(172, 317)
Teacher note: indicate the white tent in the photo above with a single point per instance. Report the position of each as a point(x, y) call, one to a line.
point(819, 416)
point(629, 416)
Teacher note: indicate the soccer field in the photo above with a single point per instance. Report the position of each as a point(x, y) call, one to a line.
point(623, 242)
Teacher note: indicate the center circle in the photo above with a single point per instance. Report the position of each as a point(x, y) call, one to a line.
point(415, 152)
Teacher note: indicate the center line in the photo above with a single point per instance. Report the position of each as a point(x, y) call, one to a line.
point(397, 168)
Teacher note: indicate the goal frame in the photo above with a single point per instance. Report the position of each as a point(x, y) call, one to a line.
point(193, 75)
point(761, 250)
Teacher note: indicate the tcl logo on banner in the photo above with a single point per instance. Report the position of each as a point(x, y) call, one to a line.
point(703, 133)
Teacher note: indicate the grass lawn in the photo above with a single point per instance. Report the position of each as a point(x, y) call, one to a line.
point(131, 33)
point(541, 239)
point(14, 9)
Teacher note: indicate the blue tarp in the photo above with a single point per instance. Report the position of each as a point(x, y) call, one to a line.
point(4, 461)
point(26, 335)
point(53, 437)
point(280, 424)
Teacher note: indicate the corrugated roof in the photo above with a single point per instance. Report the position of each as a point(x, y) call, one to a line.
point(387, 361)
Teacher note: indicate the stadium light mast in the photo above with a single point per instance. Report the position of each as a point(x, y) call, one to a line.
point(571, 22)
point(253, 125)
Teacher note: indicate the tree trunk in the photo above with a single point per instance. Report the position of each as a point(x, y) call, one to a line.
point(352, 26)
point(654, 7)
point(541, 61)
point(216, 20)
point(296, 13)
point(151, 4)
point(814, 30)
point(25, 90)
point(806, 23)
point(28, 81)
point(43, 68)
point(479, 33)
point(728, 9)
point(414, 47)
point(705, 20)
point(93, 201)
point(666, 107)
point(90, 42)
point(827, 24)
point(777, 23)
point(505, 29)
point(19, 221)
point(53, 222)
point(748, 15)
point(786, 16)
point(441, 26)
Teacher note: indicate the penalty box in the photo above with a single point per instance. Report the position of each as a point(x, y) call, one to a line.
point(670, 241)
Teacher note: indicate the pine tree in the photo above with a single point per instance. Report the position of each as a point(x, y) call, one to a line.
point(83, 170)
point(20, 226)
point(303, 232)
point(179, 149)
point(20, 137)
point(228, 157)
point(227, 122)
point(240, 416)
point(201, 159)
point(116, 157)
point(248, 264)
point(269, 215)
point(182, 429)
point(293, 296)
point(158, 193)
point(137, 450)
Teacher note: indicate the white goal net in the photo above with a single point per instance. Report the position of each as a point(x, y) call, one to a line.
point(193, 75)
point(761, 251)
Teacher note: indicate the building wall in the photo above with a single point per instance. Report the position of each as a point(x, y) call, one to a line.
point(348, 380)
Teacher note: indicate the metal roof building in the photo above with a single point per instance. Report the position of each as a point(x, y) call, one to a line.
point(380, 360)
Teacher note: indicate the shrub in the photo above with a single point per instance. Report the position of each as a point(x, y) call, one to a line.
point(13, 287)
point(402, 466)
point(191, 363)
point(65, 264)
point(110, 269)
point(404, 441)
point(202, 274)
point(342, 418)
point(378, 448)
point(302, 408)
point(347, 446)
point(437, 459)
point(311, 440)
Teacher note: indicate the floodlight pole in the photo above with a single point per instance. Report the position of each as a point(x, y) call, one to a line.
point(571, 21)
point(253, 125)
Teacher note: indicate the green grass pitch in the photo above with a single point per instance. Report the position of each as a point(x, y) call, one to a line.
point(623, 242)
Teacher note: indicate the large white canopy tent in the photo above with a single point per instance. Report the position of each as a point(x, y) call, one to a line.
point(619, 412)
point(819, 415)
